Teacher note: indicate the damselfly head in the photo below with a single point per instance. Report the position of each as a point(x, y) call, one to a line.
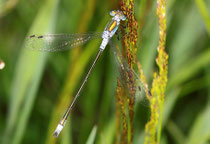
point(119, 14)
point(112, 13)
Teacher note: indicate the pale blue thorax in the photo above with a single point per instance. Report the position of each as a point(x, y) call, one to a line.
point(108, 33)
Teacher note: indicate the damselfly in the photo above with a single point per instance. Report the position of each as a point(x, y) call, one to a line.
point(60, 42)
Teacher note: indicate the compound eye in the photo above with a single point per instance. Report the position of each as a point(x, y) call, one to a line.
point(123, 17)
point(112, 13)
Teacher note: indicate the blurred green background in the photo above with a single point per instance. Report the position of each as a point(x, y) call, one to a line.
point(36, 88)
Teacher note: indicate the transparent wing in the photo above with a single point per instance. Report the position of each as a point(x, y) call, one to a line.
point(58, 42)
point(125, 71)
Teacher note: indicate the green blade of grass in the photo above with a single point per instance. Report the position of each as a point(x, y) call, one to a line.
point(203, 9)
point(92, 136)
point(175, 132)
point(200, 132)
point(108, 133)
point(189, 69)
point(27, 76)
